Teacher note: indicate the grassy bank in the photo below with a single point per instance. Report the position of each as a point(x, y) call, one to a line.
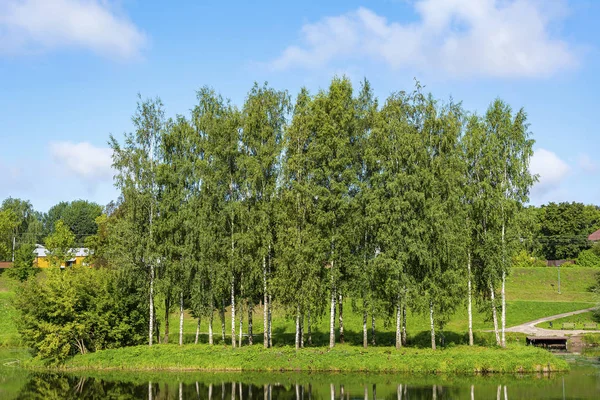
point(460, 359)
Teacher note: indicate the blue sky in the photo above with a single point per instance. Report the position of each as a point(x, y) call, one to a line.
point(70, 72)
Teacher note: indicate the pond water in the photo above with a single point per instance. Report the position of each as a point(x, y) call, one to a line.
point(583, 382)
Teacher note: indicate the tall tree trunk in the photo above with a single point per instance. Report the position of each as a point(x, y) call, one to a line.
point(404, 336)
point(241, 325)
point(232, 312)
point(494, 316)
point(332, 312)
point(265, 306)
point(181, 319)
point(365, 338)
point(470, 297)
point(167, 307)
point(151, 322)
point(302, 330)
point(309, 329)
point(197, 332)
point(373, 339)
point(150, 389)
point(270, 307)
point(398, 323)
point(250, 311)
point(432, 324)
point(503, 343)
point(297, 338)
point(210, 323)
point(222, 318)
point(341, 317)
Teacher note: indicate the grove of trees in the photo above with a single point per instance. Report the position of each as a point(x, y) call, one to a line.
point(310, 204)
point(408, 204)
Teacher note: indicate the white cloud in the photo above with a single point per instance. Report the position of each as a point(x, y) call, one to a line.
point(587, 164)
point(83, 160)
point(551, 169)
point(458, 37)
point(28, 26)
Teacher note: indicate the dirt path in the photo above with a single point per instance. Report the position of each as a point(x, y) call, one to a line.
point(530, 328)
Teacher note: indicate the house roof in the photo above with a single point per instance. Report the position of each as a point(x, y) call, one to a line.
point(594, 237)
point(41, 251)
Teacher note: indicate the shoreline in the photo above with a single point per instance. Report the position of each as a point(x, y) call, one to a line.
point(458, 360)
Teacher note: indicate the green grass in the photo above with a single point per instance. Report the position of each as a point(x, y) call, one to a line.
point(541, 284)
point(579, 320)
point(460, 359)
point(8, 315)
point(529, 293)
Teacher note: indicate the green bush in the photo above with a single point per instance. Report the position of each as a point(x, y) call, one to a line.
point(588, 258)
point(525, 260)
point(75, 311)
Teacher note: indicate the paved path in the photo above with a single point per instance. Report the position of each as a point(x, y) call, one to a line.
point(530, 328)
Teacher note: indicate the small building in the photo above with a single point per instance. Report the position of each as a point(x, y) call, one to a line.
point(595, 237)
point(41, 257)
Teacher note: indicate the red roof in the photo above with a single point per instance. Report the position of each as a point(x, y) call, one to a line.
point(5, 264)
point(594, 237)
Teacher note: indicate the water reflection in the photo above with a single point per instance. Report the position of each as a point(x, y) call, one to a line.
point(311, 387)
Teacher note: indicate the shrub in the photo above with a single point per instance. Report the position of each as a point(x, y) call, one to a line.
point(75, 311)
point(588, 258)
point(525, 260)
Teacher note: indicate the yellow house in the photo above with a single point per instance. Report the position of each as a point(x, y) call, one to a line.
point(41, 257)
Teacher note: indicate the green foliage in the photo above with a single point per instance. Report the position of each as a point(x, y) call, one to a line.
point(524, 259)
point(588, 258)
point(564, 228)
point(75, 311)
point(8, 223)
point(79, 215)
point(23, 267)
point(59, 245)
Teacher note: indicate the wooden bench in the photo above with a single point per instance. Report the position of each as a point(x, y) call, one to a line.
point(590, 325)
point(568, 325)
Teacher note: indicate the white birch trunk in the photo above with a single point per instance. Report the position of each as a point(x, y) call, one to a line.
point(341, 317)
point(332, 312)
point(181, 318)
point(302, 330)
point(210, 324)
point(297, 339)
point(265, 306)
point(222, 318)
point(151, 323)
point(149, 390)
point(197, 331)
point(232, 313)
point(398, 323)
point(241, 326)
point(432, 325)
point(503, 294)
point(494, 316)
point(309, 330)
point(373, 341)
point(250, 333)
point(470, 299)
point(180, 390)
point(270, 309)
point(210, 391)
point(404, 336)
point(365, 337)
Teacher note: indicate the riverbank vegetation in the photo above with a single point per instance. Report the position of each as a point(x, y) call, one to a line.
point(343, 358)
point(331, 219)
